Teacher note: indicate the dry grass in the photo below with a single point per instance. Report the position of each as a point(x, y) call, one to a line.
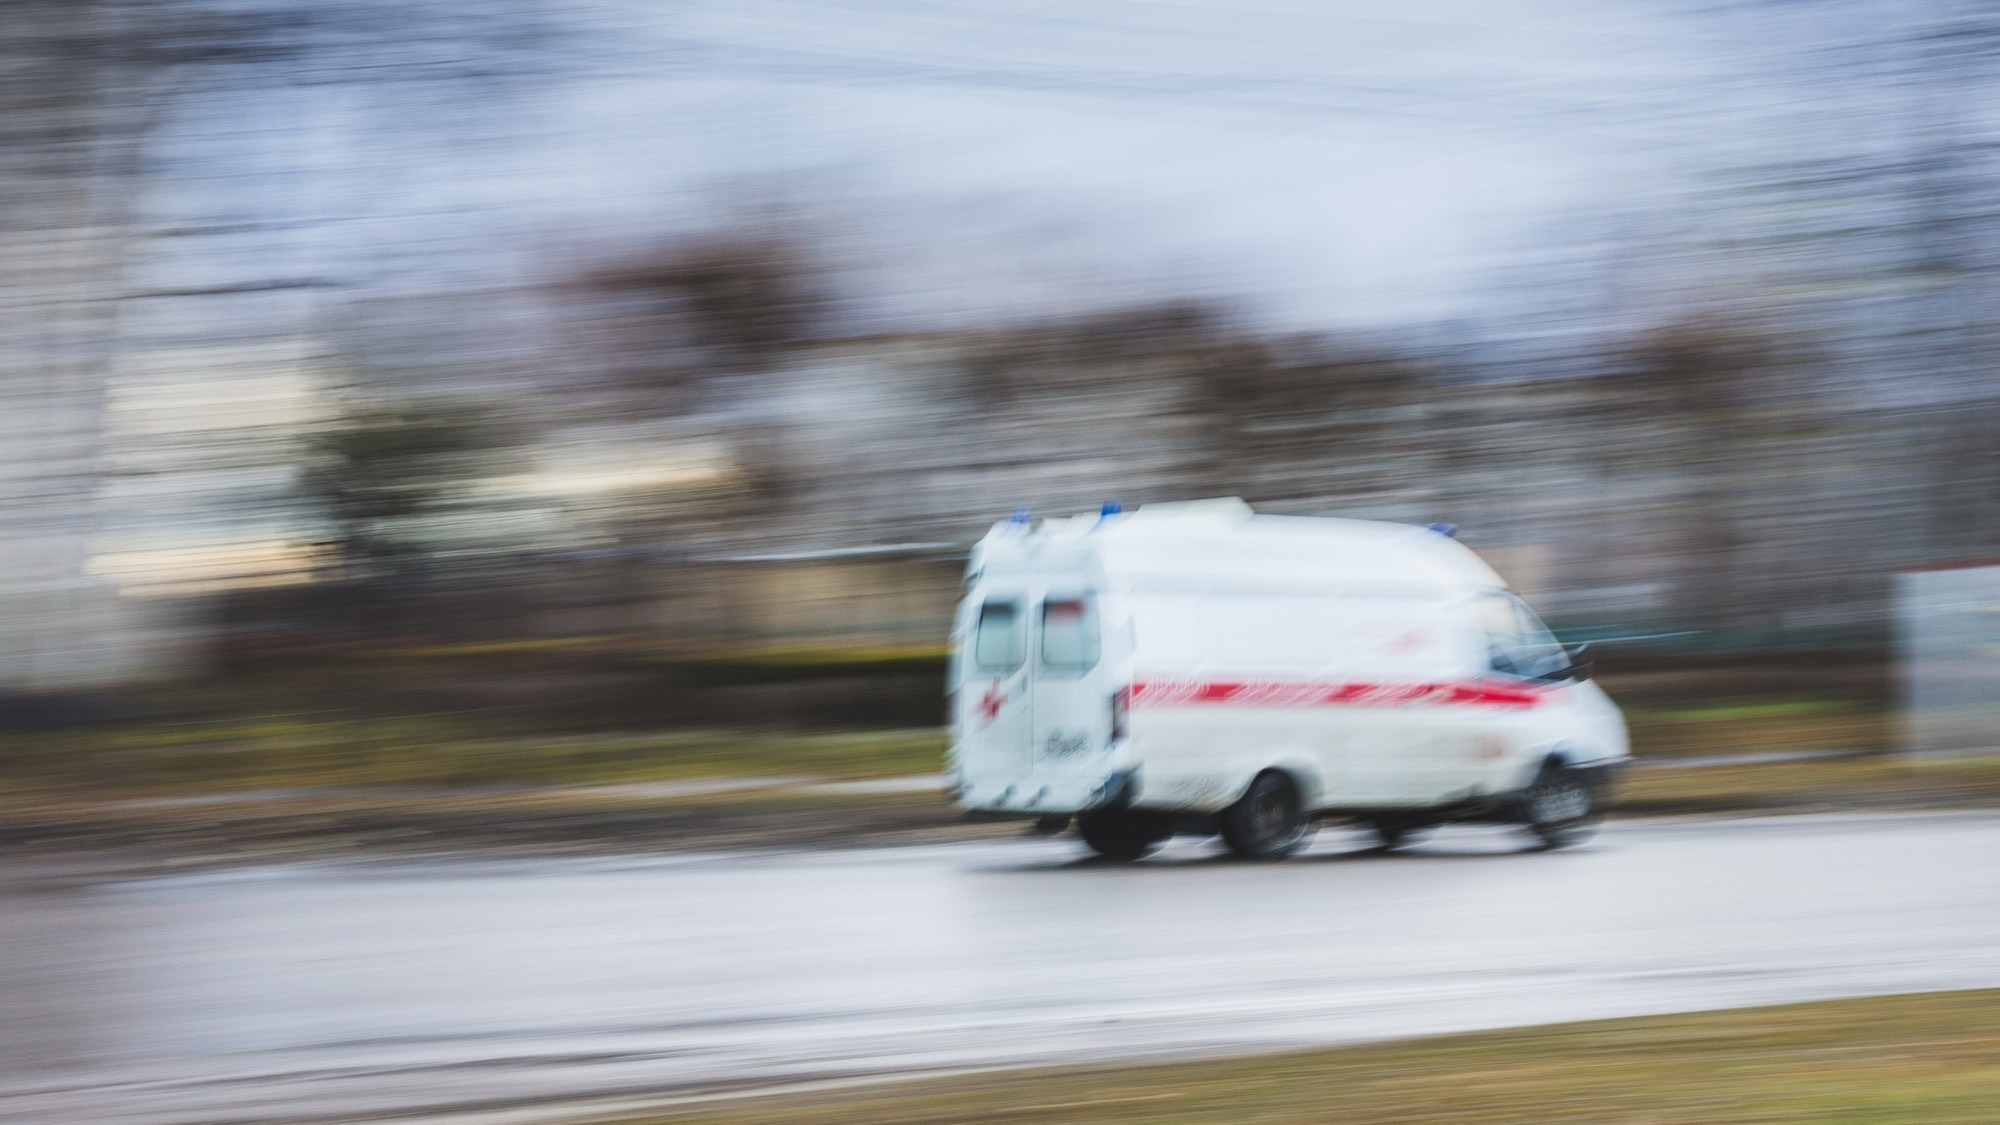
point(291, 753)
point(1876, 782)
point(1931, 1058)
point(1760, 727)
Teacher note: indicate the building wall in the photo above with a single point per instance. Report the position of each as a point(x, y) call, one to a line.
point(63, 194)
point(1949, 635)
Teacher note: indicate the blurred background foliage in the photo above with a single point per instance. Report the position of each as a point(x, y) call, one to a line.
point(372, 361)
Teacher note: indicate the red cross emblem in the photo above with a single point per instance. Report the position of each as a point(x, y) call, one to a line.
point(1409, 641)
point(990, 704)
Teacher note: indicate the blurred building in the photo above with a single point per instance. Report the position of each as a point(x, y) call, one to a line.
point(64, 240)
point(1731, 393)
point(1949, 656)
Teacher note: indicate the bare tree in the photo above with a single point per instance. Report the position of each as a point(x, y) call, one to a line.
point(381, 478)
point(682, 315)
point(1722, 396)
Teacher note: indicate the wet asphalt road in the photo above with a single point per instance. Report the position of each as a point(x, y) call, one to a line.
point(343, 992)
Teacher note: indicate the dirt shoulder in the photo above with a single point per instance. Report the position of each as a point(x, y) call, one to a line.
point(230, 828)
point(121, 836)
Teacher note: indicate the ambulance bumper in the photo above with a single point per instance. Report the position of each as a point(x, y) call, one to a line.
point(1040, 796)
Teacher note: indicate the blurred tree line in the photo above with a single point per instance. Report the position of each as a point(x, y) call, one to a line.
point(1715, 472)
point(1794, 398)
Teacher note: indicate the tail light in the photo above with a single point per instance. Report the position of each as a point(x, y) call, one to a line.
point(1121, 710)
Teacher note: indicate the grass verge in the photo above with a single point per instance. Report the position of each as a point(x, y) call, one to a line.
point(1933, 1058)
point(1857, 783)
point(303, 751)
point(1758, 727)
point(294, 753)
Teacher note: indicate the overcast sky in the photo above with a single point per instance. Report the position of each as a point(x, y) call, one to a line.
point(1321, 162)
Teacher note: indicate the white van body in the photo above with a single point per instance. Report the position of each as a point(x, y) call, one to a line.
point(1160, 660)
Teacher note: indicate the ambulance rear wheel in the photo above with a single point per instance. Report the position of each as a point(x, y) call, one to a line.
point(1270, 820)
point(1120, 834)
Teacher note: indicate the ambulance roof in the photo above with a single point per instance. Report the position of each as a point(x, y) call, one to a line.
point(1210, 541)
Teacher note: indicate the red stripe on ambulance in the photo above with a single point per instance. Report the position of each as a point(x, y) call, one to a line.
point(1287, 693)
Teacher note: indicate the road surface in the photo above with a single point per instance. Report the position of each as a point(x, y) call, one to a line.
point(330, 992)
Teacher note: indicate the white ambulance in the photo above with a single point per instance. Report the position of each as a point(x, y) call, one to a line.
point(1197, 668)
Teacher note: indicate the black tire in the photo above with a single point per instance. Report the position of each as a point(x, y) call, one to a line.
point(1269, 821)
point(1120, 834)
point(1561, 807)
point(1392, 832)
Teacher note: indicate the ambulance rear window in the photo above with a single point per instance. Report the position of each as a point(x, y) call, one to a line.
point(1069, 635)
point(1001, 642)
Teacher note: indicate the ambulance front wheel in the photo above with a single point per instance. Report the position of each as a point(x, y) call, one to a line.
point(1269, 821)
point(1562, 807)
point(1120, 834)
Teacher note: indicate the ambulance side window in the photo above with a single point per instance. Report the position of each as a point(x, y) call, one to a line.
point(1070, 641)
point(1000, 641)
